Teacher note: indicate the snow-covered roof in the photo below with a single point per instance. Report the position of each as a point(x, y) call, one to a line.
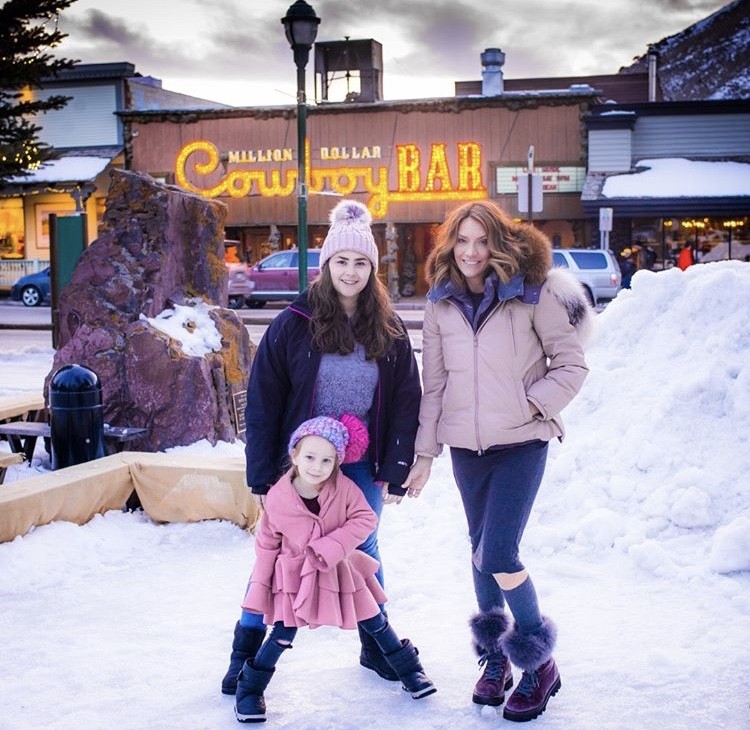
point(680, 178)
point(69, 168)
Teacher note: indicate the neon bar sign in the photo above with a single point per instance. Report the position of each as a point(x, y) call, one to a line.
point(418, 180)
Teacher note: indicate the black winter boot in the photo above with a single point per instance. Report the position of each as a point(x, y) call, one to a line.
point(487, 627)
point(371, 657)
point(245, 646)
point(249, 704)
point(408, 669)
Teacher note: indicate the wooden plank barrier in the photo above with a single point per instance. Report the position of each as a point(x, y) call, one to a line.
point(170, 487)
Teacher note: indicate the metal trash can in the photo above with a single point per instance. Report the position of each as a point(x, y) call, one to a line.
point(76, 416)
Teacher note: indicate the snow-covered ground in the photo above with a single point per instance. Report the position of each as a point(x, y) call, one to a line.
point(639, 547)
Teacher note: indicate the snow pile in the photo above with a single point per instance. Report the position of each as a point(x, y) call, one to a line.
point(657, 459)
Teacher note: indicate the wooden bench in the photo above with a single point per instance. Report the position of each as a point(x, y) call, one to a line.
point(25, 407)
point(22, 436)
point(7, 460)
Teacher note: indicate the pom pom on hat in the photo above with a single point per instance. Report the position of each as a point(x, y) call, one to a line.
point(326, 428)
point(359, 438)
point(350, 231)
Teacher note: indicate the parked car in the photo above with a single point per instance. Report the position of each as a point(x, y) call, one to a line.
point(276, 277)
point(238, 284)
point(32, 289)
point(596, 269)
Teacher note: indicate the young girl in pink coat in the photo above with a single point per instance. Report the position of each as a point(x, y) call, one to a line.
point(307, 569)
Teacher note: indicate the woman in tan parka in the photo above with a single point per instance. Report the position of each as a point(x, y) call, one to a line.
point(502, 356)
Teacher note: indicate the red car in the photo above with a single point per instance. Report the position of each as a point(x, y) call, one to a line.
point(276, 277)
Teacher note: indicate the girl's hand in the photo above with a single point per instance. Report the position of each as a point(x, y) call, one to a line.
point(418, 476)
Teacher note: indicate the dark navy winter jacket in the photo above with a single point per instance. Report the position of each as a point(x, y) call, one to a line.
point(281, 394)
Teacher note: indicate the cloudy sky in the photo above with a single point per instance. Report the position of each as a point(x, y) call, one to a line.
point(235, 51)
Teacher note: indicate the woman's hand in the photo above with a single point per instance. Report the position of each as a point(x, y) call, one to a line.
point(389, 498)
point(418, 476)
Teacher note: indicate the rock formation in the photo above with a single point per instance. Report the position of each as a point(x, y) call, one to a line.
point(160, 250)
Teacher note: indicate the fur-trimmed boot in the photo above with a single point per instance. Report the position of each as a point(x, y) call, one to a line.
point(371, 657)
point(405, 663)
point(245, 646)
point(487, 629)
point(249, 704)
point(540, 679)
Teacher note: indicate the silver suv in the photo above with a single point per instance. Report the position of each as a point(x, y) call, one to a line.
point(597, 269)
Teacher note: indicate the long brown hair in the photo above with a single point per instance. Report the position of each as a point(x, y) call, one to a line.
point(374, 324)
point(508, 249)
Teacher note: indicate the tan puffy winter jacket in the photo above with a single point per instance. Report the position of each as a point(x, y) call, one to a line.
point(478, 387)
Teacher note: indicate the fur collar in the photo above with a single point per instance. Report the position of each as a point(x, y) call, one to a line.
point(539, 261)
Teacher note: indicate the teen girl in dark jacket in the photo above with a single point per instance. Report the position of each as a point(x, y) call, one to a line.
point(338, 349)
point(285, 369)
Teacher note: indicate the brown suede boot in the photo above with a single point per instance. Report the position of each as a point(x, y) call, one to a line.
point(541, 679)
point(487, 628)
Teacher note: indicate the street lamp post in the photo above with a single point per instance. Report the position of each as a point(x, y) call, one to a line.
point(301, 27)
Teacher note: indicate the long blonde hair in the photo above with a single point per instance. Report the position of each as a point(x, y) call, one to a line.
point(508, 249)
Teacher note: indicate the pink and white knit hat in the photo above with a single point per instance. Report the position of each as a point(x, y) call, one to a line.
point(350, 231)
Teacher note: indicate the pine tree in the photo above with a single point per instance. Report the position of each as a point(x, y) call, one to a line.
point(28, 30)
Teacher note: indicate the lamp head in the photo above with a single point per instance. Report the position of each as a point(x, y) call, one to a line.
point(300, 25)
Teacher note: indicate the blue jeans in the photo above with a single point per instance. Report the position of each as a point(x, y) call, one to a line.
point(361, 475)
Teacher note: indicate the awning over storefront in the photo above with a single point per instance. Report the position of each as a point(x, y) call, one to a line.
point(671, 187)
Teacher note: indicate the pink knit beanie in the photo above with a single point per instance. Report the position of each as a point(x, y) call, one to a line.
point(350, 231)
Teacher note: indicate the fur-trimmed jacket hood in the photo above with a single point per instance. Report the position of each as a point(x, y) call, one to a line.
point(536, 269)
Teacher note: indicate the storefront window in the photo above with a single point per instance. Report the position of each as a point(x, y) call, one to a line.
point(711, 238)
point(42, 211)
point(11, 229)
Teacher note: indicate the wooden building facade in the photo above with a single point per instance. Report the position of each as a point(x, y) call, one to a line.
point(410, 162)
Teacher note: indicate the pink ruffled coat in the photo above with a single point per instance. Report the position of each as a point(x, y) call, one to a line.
point(307, 568)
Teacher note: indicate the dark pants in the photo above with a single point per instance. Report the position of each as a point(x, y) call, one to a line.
point(281, 638)
point(498, 490)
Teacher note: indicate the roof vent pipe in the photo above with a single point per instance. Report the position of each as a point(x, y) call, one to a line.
point(653, 58)
point(492, 72)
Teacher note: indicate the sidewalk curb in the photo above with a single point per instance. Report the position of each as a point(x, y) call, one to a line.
point(264, 317)
point(22, 326)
